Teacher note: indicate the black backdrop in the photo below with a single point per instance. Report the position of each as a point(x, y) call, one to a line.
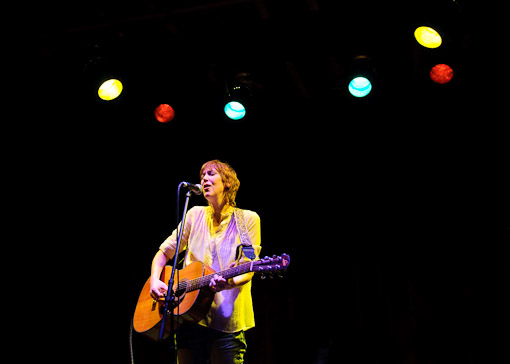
point(396, 240)
point(393, 208)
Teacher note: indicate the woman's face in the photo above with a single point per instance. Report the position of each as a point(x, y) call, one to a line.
point(213, 185)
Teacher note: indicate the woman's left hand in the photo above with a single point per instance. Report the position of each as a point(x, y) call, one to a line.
point(218, 283)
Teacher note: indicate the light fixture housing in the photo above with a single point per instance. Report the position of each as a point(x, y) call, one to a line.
point(361, 77)
point(239, 95)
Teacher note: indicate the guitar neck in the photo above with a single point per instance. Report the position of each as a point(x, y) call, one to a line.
point(204, 281)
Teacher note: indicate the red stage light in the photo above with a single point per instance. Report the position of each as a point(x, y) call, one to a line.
point(441, 73)
point(164, 113)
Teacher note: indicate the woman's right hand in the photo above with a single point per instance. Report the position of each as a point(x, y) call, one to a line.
point(158, 289)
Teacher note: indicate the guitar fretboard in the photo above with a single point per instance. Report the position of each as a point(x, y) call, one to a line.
point(201, 282)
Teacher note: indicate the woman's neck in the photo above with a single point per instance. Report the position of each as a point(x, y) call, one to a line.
point(218, 208)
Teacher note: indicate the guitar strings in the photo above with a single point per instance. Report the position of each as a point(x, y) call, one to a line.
point(191, 285)
point(196, 283)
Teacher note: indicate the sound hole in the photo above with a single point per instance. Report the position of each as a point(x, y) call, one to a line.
point(180, 291)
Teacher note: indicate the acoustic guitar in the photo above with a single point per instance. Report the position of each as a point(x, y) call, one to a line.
point(193, 297)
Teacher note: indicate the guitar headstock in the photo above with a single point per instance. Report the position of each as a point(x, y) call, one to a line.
point(276, 263)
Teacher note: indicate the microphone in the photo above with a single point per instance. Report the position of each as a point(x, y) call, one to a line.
point(196, 189)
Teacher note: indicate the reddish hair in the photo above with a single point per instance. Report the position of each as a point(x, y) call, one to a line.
point(228, 177)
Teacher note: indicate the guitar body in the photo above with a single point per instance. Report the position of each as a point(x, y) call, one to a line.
point(192, 305)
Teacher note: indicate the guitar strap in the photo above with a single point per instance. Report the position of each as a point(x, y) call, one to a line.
point(246, 245)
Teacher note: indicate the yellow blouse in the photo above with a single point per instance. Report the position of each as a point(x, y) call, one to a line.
point(232, 309)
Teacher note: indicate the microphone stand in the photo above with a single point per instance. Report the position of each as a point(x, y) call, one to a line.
point(170, 294)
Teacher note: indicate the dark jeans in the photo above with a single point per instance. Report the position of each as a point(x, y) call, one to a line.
point(200, 345)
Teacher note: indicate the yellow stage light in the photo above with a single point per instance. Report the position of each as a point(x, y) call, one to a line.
point(428, 37)
point(110, 89)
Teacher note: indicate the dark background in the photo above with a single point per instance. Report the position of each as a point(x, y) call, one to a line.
point(392, 207)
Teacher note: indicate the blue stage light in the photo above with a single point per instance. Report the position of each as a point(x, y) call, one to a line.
point(360, 87)
point(235, 110)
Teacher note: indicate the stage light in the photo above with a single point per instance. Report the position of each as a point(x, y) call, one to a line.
point(428, 37)
point(238, 95)
point(164, 113)
point(360, 86)
point(235, 110)
point(441, 73)
point(361, 76)
point(110, 89)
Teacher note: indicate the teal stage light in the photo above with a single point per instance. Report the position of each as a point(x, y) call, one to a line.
point(235, 110)
point(360, 87)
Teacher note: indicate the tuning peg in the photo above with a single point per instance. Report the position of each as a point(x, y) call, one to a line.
point(263, 276)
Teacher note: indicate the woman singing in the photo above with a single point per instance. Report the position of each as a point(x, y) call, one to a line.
point(211, 236)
